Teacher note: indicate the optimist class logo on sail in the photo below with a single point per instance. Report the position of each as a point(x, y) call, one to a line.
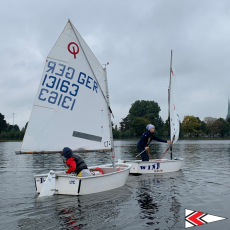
point(61, 87)
point(74, 45)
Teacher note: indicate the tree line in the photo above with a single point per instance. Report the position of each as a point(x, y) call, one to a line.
point(134, 124)
point(144, 112)
point(10, 132)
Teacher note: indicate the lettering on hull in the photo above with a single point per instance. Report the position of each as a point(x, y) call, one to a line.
point(41, 180)
point(151, 167)
point(72, 181)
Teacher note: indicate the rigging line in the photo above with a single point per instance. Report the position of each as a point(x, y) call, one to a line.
point(164, 153)
point(142, 151)
point(91, 68)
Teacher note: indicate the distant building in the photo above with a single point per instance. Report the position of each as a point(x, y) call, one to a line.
point(228, 115)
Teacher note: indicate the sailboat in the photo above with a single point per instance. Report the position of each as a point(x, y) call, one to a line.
point(72, 109)
point(164, 165)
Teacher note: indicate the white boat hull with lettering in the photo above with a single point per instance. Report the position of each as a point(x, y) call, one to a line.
point(155, 166)
point(69, 184)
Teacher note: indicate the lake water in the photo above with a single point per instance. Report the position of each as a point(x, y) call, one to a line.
point(145, 202)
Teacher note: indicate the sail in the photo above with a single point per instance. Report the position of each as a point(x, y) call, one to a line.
point(70, 108)
point(173, 108)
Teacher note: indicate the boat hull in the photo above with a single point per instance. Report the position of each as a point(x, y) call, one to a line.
point(68, 184)
point(155, 166)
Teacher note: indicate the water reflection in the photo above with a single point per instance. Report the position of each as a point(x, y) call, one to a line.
point(156, 201)
point(75, 212)
point(69, 217)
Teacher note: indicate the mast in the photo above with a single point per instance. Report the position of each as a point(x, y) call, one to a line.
point(90, 66)
point(169, 104)
point(109, 115)
point(105, 97)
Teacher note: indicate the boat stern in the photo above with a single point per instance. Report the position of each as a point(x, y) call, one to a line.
point(39, 181)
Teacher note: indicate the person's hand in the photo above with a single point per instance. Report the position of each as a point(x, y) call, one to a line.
point(169, 142)
point(146, 148)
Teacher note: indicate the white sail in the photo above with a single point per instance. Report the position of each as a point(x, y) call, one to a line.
point(159, 166)
point(70, 109)
point(173, 108)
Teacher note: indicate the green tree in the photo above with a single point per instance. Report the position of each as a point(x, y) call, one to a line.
point(225, 127)
point(128, 134)
point(142, 108)
point(16, 128)
point(3, 124)
point(125, 124)
point(213, 127)
point(23, 130)
point(26, 125)
point(12, 128)
point(202, 128)
point(228, 120)
point(146, 109)
point(190, 125)
point(116, 134)
point(181, 134)
point(139, 125)
point(217, 127)
point(166, 129)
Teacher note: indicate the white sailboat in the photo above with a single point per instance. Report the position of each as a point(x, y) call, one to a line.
point(164, 165)
point(71, 109)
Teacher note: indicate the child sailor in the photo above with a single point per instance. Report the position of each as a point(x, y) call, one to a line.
point(75, 163)
point(145, 140)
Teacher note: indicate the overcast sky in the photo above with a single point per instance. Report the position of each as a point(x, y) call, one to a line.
point(135, 37)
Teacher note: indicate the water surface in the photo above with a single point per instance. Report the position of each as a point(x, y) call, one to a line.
point(145, 202)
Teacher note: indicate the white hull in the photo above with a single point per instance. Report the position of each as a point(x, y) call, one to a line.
point(155, 166)
point(68, 184)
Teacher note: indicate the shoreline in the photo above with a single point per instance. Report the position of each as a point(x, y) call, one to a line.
point(130, 139)
point(10, 140)
point(181, 139)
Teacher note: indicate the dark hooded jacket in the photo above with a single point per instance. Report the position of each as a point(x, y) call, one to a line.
point(147, 137)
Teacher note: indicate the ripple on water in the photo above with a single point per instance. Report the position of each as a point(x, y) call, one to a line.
point(154, 201)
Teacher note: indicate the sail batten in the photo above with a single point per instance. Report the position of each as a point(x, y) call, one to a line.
point(70, 98)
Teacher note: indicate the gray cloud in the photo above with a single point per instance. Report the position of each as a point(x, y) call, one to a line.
point(135, 37)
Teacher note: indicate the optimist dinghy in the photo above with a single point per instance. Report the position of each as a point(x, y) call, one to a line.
point(72, 109)
point(164, 165)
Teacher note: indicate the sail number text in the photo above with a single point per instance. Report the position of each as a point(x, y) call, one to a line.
point(61, 91)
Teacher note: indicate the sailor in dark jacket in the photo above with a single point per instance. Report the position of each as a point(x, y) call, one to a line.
point(145, 140)
point(75, 163)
